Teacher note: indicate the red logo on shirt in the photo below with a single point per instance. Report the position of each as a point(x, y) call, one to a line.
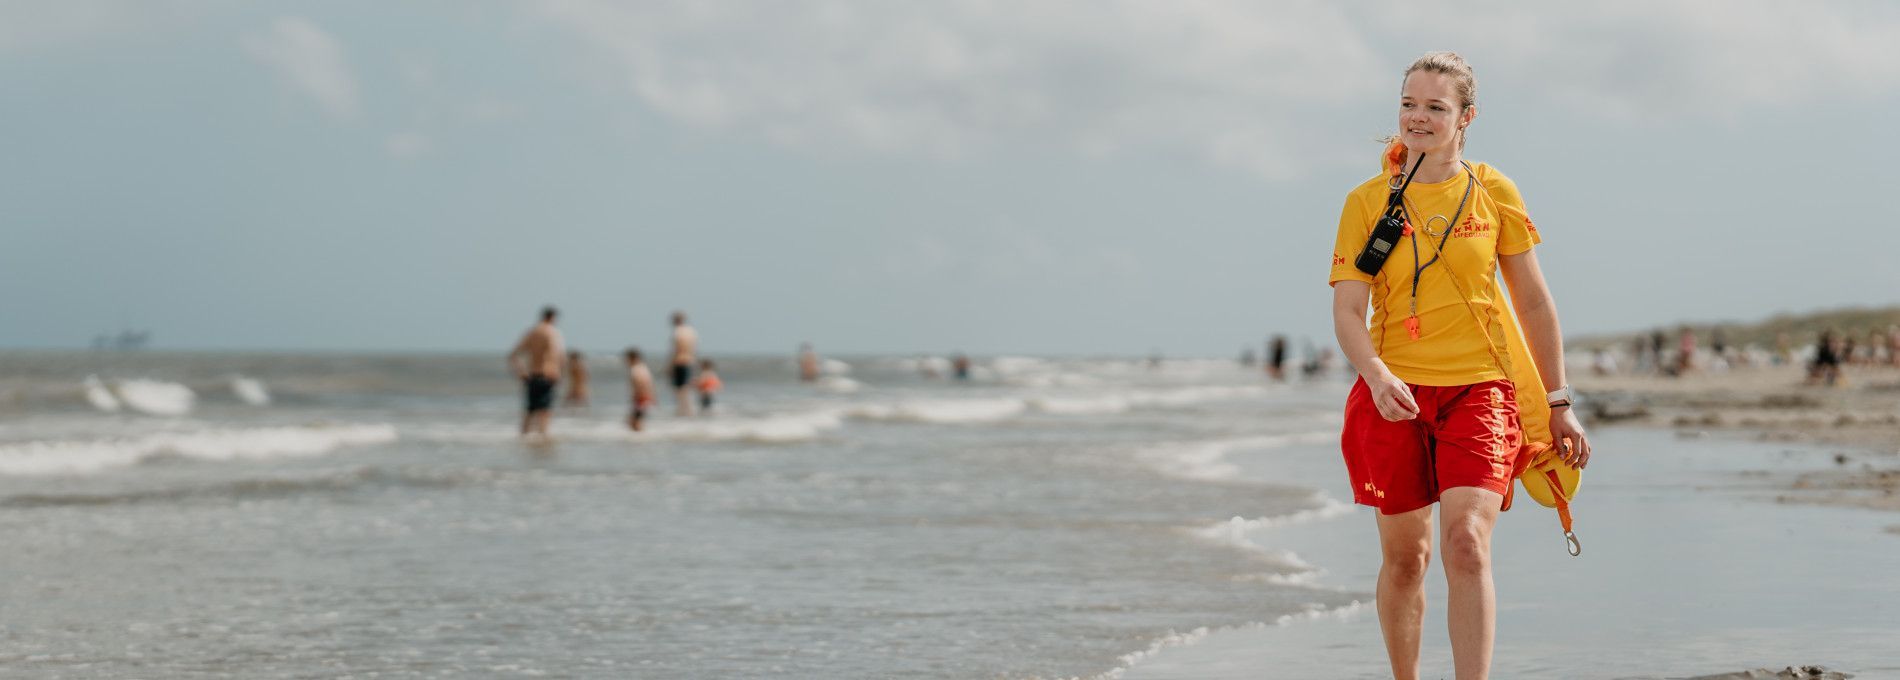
point(1528, 224)
point(1337, 260)
point(1472, 227)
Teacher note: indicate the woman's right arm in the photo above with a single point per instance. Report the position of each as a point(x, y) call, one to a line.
point(1389, 393)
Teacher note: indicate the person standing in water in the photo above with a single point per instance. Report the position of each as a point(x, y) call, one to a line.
point(685, 348)
point(536, 362)
point(1276, 358)
point(1433, 418)
point(808, 368)
point(708, 385)
point(577, 389)
point(640, 379)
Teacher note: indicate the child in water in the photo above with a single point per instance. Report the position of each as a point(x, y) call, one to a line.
point(708, 384)
point(641, 378)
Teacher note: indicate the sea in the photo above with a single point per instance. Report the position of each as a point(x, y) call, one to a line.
point(298, 515)
point(218, 515)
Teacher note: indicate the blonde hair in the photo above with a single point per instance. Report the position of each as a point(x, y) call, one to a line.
point(1449, 64)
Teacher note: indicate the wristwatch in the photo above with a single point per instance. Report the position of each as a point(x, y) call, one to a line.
point(1561, 397)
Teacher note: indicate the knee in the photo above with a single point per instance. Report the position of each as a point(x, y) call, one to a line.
point(1405, 565)
point(1467, 551)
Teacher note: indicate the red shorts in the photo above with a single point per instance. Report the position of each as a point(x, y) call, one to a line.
point(1464, 435)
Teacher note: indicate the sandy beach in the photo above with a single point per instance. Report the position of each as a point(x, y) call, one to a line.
point(1729, 522)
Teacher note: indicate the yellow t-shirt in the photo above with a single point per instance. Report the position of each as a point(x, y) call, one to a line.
point(1452, 347)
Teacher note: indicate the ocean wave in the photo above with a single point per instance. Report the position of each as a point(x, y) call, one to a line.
point(99, 396)
point(250, 390)
point(839, 384)
point(340, 481)
point(778, 429)
point(1235, 530)
point(1293, 571)
point(1082, 405)
point(1173, 639)
point(1124, 402)
point(156, 397)
point(88, 456)
point(770, 429)
point(942, 411)
point(986, 410)
point(1057, 379)
point(1207, 460)
point(244, 489)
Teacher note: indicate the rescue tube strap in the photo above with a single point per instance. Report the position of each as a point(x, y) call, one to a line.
point(1563, 513)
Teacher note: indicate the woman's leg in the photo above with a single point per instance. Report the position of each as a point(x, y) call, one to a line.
point(1471, 610)
point(1406, 540)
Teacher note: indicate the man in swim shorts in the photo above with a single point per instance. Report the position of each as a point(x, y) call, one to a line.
point(537, 362)
point(685, 349)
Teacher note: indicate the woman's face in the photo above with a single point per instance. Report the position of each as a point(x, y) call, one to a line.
point(1429, 115)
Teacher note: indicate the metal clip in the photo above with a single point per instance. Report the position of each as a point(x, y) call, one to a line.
point(1575, 548)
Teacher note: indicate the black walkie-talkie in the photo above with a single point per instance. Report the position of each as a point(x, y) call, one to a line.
point(1391, 226)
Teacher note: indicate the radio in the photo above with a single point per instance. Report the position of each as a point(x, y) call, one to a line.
point(1387, 231)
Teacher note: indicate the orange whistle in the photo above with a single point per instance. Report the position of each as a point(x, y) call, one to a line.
point(1411, 327)
point(1408, 229)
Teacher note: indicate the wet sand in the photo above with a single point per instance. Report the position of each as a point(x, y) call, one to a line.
point(1789, 673)
point(1858, 419)
point(1692, 569)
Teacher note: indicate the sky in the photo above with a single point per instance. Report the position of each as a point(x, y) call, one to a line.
point(1028, 177)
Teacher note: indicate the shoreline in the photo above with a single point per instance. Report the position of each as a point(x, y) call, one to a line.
point(1631, 594)
point(1860, 419)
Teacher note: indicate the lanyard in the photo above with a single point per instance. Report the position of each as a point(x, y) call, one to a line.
point(1418, 270)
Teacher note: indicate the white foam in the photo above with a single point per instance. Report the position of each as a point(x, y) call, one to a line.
point(1208, 459)
point(1233, 533)
point(251, 390)
point(1236, 529)
point(834, 367)
point(156, 397)
point(1122, 402)
point(100, 397)
point(87, 456)
point(1196, 395)
point(777, 429)
point(1194, 460)
point(1172, 639)
point(839, 384)
point(1006, 365)
point(1081, 405)
point(769, 429)
point(942, 411)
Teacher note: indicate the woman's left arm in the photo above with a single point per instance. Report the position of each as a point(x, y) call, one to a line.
point(1538, 314)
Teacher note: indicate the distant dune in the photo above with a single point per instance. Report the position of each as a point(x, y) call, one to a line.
point(1802, 328)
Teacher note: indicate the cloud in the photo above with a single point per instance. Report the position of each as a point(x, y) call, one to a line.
point(1699, 58)
point(1003, 254)
point(35, 24)
point(947, 79)
point(406, 145)
point(1236, 83)
point(310, 61)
